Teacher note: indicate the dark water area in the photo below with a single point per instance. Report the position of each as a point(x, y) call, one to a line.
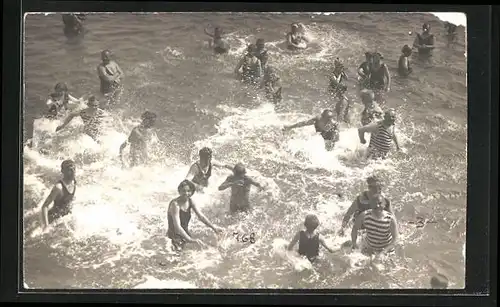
point(115, 236)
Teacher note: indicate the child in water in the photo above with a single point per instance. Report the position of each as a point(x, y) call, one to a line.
point(404, 67)
point(217, 43)
point(309, 240)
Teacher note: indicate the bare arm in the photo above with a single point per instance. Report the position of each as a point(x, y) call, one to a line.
point(193, 170)
point(119, 69)
point(394, 233)
point(54, 193)
point(221, 165)
point(431, 45)
point(202, 217)
point(240, 63)
point(301, 124)
point(226, 184)
point(259, 68)
point(294, 241)
point(68, 120)
point(174, 212)
point(208, 33)
point(416, 42)
point(395, 138)
point(349, 213)
point(371, 128)
point(357, 225)
point(255, 183)
point(388, 77)
point(323, 243)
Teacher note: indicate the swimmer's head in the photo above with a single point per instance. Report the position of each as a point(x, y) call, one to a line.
point(93, 102)
point(239, 169)
point(217, 31)
point(106, 56)
point(368, 56)
point(251, 48)
point(68, 169)
point(406, 50)
point(426, 27)
point(186, 188)
point(378, 202)
point(374, 184)
point(260, 43)
point(439, 281)
point(311, 222)
point(390, 117)
point(376, 59)
point(327, 114)
point(148, 119)
point(60, 88)
point(367, 96)
point(205, 154)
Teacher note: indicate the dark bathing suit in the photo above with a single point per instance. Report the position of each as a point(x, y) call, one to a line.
point(377, 81)
point(429, 40)
point(62, 206)
point(329, 135)
point(201, 178)
point(363, 204)
point(185, 216)
point(309, 247)
point(239, 195)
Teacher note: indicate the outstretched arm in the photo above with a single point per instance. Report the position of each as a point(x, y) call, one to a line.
point(68, 120)
point(371, 128)
point(294, 241)
point(203, 218)
point(357, 226)
point(255, 183)
point(301, 124)
point(222, 165)
point(323, 243)
point(388, 77)
point(348, 214)
point(226, 184)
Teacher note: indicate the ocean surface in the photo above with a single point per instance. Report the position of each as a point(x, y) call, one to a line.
point(115, 237)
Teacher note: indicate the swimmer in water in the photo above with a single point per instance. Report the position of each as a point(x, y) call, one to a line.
point(295, 39)
point(381, 228)
point(380, 78)
point(337, 77)
point(383, 134)
point(364, 201)
point(73, 24)
point(139, 139)
point(309, 239)
point(404, 65)
point(424, 42)
point(324, 124)
point(240, 185)
point(60, 195)
point(179, 216)
point(343, 105)
point(364, 71)
point(439, 281)
point(219, 45)
point(200, 172)
point(250, 66)
point(111, 77)
point(261, 53)
point(60, 100)
point(372, 111)
point(92, 118)
point(272, 85)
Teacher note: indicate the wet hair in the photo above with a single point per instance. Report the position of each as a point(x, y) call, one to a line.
point(67, 163)
point(239, 169)
point(374, 180)
point(205, 152)
point(260, 41)
point(92, 101)
point(148, 115)
point(368, 55)
point(295, 25)
point(406, 50)
point(61, 87)
point(367, 96)
point(311, 222)
point(439, 281)
point(106, 52)
point(327, 113)
point(186, 183)
point(377, 56)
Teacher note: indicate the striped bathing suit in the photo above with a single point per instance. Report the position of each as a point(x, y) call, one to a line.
point(378, 230)
point(380, 142)
point(92, 122)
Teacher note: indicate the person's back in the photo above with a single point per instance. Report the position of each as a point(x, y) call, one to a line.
point(309, 244)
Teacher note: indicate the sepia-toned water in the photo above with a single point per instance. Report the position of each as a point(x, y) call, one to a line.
point(115, 237)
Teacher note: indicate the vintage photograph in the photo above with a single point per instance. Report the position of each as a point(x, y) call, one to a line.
point(231, 150)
